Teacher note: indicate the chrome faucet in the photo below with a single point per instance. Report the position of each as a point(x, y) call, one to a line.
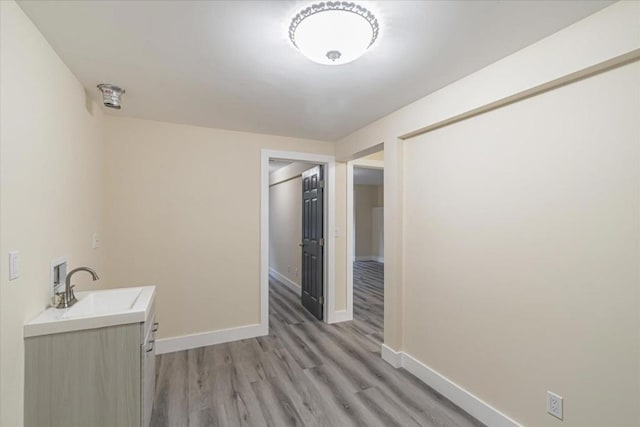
point(68, 298)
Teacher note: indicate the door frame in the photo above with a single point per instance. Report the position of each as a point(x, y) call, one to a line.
point(362, 163)
point(329, 163)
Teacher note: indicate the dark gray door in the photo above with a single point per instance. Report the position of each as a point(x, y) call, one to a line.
point(312, 240)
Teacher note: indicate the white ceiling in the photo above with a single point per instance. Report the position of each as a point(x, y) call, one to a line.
point(274, 165)
point(368, 176)
point(229, 64)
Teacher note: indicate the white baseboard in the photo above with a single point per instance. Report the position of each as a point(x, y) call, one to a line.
point(472, 404)
point(341, 316)
point(186, 342)
point(286, 281)
point(392, 357)
point(370, 258)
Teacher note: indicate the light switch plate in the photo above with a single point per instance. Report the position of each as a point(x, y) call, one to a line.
point(14, 265)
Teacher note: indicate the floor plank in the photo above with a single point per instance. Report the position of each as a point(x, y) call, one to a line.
point(304, 373)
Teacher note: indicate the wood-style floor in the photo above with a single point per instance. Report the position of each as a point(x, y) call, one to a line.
point(304, 373)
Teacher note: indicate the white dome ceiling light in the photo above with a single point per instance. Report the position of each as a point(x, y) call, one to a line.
point(333, 33)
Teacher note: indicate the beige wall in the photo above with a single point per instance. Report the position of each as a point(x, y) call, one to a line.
point(285, 228)
point(378, 155)
point(600, 354)
point(172, 218)
point(522, 252)
point(365, 198)
point(183, 212)
point(51, 186)
point(610, 33)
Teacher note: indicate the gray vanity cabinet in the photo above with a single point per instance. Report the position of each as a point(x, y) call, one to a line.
point(101, 377)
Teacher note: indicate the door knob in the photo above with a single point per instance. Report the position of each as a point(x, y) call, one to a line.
point(301, 245)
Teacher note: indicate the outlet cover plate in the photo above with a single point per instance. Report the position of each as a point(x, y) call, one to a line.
point(58, 274)
point(554, 404)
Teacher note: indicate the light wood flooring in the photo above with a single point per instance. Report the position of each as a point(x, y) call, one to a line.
point(304, 373)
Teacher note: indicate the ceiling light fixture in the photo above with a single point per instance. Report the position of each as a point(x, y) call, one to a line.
point(333, 33)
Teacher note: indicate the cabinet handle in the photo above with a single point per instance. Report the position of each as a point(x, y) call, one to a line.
point(155, 327)
point(151, 342)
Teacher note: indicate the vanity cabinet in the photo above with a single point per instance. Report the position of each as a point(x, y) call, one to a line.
point(99, 377)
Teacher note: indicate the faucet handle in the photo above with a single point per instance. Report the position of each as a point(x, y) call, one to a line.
point(62, 297)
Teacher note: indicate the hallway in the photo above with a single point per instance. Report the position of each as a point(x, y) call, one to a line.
point(305, 373)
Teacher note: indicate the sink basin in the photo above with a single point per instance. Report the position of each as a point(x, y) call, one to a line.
point(111, 301)
point(96, 309)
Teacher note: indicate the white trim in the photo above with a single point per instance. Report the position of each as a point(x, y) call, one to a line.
point(329, 249)
point(264, 240)
point(286, 281)
point(330, 237)
point(341, 316)
point(186, 342)
point(472, 404)
point(350, 232)
point(392, 357)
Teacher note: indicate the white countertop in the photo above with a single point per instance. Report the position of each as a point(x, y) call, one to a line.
point(54, 320)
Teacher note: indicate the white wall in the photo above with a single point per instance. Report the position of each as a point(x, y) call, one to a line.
point(183, 212)
point(51, 172)
point(285, 228)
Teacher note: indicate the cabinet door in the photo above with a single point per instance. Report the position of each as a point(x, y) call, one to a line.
point(84, 378)
point(148, 375)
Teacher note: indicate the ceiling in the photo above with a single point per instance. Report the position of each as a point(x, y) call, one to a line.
point(275, 165)
point(229, 64)
point(368, 176)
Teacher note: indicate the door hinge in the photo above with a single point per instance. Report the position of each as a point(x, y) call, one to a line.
point(321, 241)
point(321, 184)
point(321, 299)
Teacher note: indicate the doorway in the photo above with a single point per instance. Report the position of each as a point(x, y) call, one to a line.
point(284, 247)
point(365, 241)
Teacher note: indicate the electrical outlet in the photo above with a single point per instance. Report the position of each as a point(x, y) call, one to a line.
point(554, 404)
